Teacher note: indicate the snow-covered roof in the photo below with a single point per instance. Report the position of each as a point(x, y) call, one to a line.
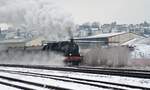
point(102, 35)
point(12, 41)
point(130, 42)
point(138, 40)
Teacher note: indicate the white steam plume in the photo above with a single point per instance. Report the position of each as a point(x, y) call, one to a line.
point(31, 58)
point(40, 15)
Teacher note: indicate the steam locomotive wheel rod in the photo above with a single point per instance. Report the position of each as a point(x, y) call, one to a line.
point(76, 80)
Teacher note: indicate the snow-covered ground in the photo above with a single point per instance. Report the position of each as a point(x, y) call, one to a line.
point(47, 81)
point(4, 87)
point(140, 56)
point(141, 51)
point(17, 83)
point(142, 47)
point(108, 78)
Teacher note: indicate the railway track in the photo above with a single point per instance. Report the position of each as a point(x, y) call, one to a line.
point(95, 83)
point(15, 86)
point(26, 85)
point(104, 71)
point(100, 84)
point(120, 72)
point(116, 69)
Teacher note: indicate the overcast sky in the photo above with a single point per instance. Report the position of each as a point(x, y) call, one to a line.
point(106, 11)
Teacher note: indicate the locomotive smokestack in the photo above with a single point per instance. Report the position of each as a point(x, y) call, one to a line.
point(71, 40)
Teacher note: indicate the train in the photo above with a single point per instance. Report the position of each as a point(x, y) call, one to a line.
point(69, 49)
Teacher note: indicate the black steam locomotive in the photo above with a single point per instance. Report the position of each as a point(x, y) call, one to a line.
point(68, 48)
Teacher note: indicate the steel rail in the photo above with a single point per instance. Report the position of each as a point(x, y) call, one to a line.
point(116, 69)
point(15, 86)
point(80, 79)
point(84, 70)
point(65, 80)
point(31, 83)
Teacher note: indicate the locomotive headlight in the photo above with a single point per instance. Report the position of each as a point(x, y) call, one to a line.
point(70, 54)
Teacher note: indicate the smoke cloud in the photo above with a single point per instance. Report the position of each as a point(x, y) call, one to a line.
point(43, 16)
point(31, 58)
point(111, 57)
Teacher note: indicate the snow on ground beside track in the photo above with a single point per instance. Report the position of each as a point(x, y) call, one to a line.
point(52, 82)
point(142, 47)
point(141, 54)
point(21, 84)
point(108, 78)
point(141, 51)
point(4, 87)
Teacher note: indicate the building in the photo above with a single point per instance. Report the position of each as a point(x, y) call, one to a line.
point(36, 41)
point(22, 42)
point(13, 42)
point(108, 39)
point(89, 29)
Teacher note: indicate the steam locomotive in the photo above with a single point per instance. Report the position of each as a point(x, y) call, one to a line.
point(68, 48)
